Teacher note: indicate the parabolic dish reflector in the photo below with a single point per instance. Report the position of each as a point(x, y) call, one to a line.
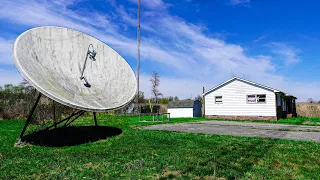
point(52, 59)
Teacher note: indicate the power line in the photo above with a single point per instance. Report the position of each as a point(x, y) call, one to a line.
point(176, 76)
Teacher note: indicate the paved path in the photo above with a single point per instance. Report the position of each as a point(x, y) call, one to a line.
point(293, 132)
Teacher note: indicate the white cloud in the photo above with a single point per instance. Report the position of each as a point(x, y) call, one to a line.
point(5, 51)
point(184, 88)
point(289, 54)
point(33, 13)
point(194, 59)
point(237, 2)
point(152, 4)
point(264, 36)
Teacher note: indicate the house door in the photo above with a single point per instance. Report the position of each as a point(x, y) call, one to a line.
point(289, 106)
point(284, 105)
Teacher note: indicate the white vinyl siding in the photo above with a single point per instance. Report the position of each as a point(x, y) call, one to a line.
point(180, 112)
point(235, 97)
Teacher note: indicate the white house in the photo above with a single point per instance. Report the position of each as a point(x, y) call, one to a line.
point(242, 99)
point(184, 108)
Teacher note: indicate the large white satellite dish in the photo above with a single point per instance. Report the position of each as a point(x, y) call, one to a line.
point(74, 69)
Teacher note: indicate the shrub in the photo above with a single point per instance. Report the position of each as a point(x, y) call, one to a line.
point(16, 102)
point(145, 108)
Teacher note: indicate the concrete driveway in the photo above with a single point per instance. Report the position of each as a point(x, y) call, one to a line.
point(292, 132)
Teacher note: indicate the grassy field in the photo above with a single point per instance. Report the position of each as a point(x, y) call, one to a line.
point(146, 154)
point(308, 109)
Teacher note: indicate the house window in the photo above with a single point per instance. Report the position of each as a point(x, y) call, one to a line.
point(261, 98)
point(251, 99)
point(218, 99)
point(256, 98)
point(279, 100)
point(284, 105)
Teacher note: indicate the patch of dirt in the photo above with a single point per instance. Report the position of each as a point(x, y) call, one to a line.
point(308, 122)
point(212, 178)
point(91, 165)
point(169, 172)
point(21, 144)
point(137, 164)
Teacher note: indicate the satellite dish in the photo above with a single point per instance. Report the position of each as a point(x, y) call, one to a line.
point(74, 69)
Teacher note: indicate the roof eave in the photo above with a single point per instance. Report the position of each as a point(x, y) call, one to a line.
point(287, 95)
point(216, 87)
point(237, 78)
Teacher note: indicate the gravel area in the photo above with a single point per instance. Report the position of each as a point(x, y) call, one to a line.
point(292, 132)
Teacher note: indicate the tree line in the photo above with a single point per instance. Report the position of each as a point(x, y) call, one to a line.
point(16, 101)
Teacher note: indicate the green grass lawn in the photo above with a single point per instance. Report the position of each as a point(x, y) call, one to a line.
point(300, 121)
point(146, 154)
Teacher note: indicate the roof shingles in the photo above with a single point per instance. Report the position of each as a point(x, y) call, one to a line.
point(181, 104)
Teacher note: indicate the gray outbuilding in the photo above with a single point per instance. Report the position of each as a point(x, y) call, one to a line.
point(184, 108)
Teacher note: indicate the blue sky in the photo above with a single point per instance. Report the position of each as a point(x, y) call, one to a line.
point(190, 43)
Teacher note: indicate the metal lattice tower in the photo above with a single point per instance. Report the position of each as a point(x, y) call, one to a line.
point(138, 55)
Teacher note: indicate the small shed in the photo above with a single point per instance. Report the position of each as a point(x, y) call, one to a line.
point(184, 108)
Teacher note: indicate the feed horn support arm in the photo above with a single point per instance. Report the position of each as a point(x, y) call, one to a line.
point(92, 55)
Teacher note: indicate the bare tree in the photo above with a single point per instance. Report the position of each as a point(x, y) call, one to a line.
point(155, 81)
point(141, 97)
point(24, 83)
point(246, 77)
point(199, 97)
point(232, 73)
point(310, 100)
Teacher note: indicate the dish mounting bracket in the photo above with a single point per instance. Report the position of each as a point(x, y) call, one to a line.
point(91, 53)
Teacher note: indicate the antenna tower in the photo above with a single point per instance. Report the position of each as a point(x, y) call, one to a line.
point(138, 58)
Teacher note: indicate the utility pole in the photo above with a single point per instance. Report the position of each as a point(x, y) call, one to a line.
point(138, 56)
point(203, 102)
